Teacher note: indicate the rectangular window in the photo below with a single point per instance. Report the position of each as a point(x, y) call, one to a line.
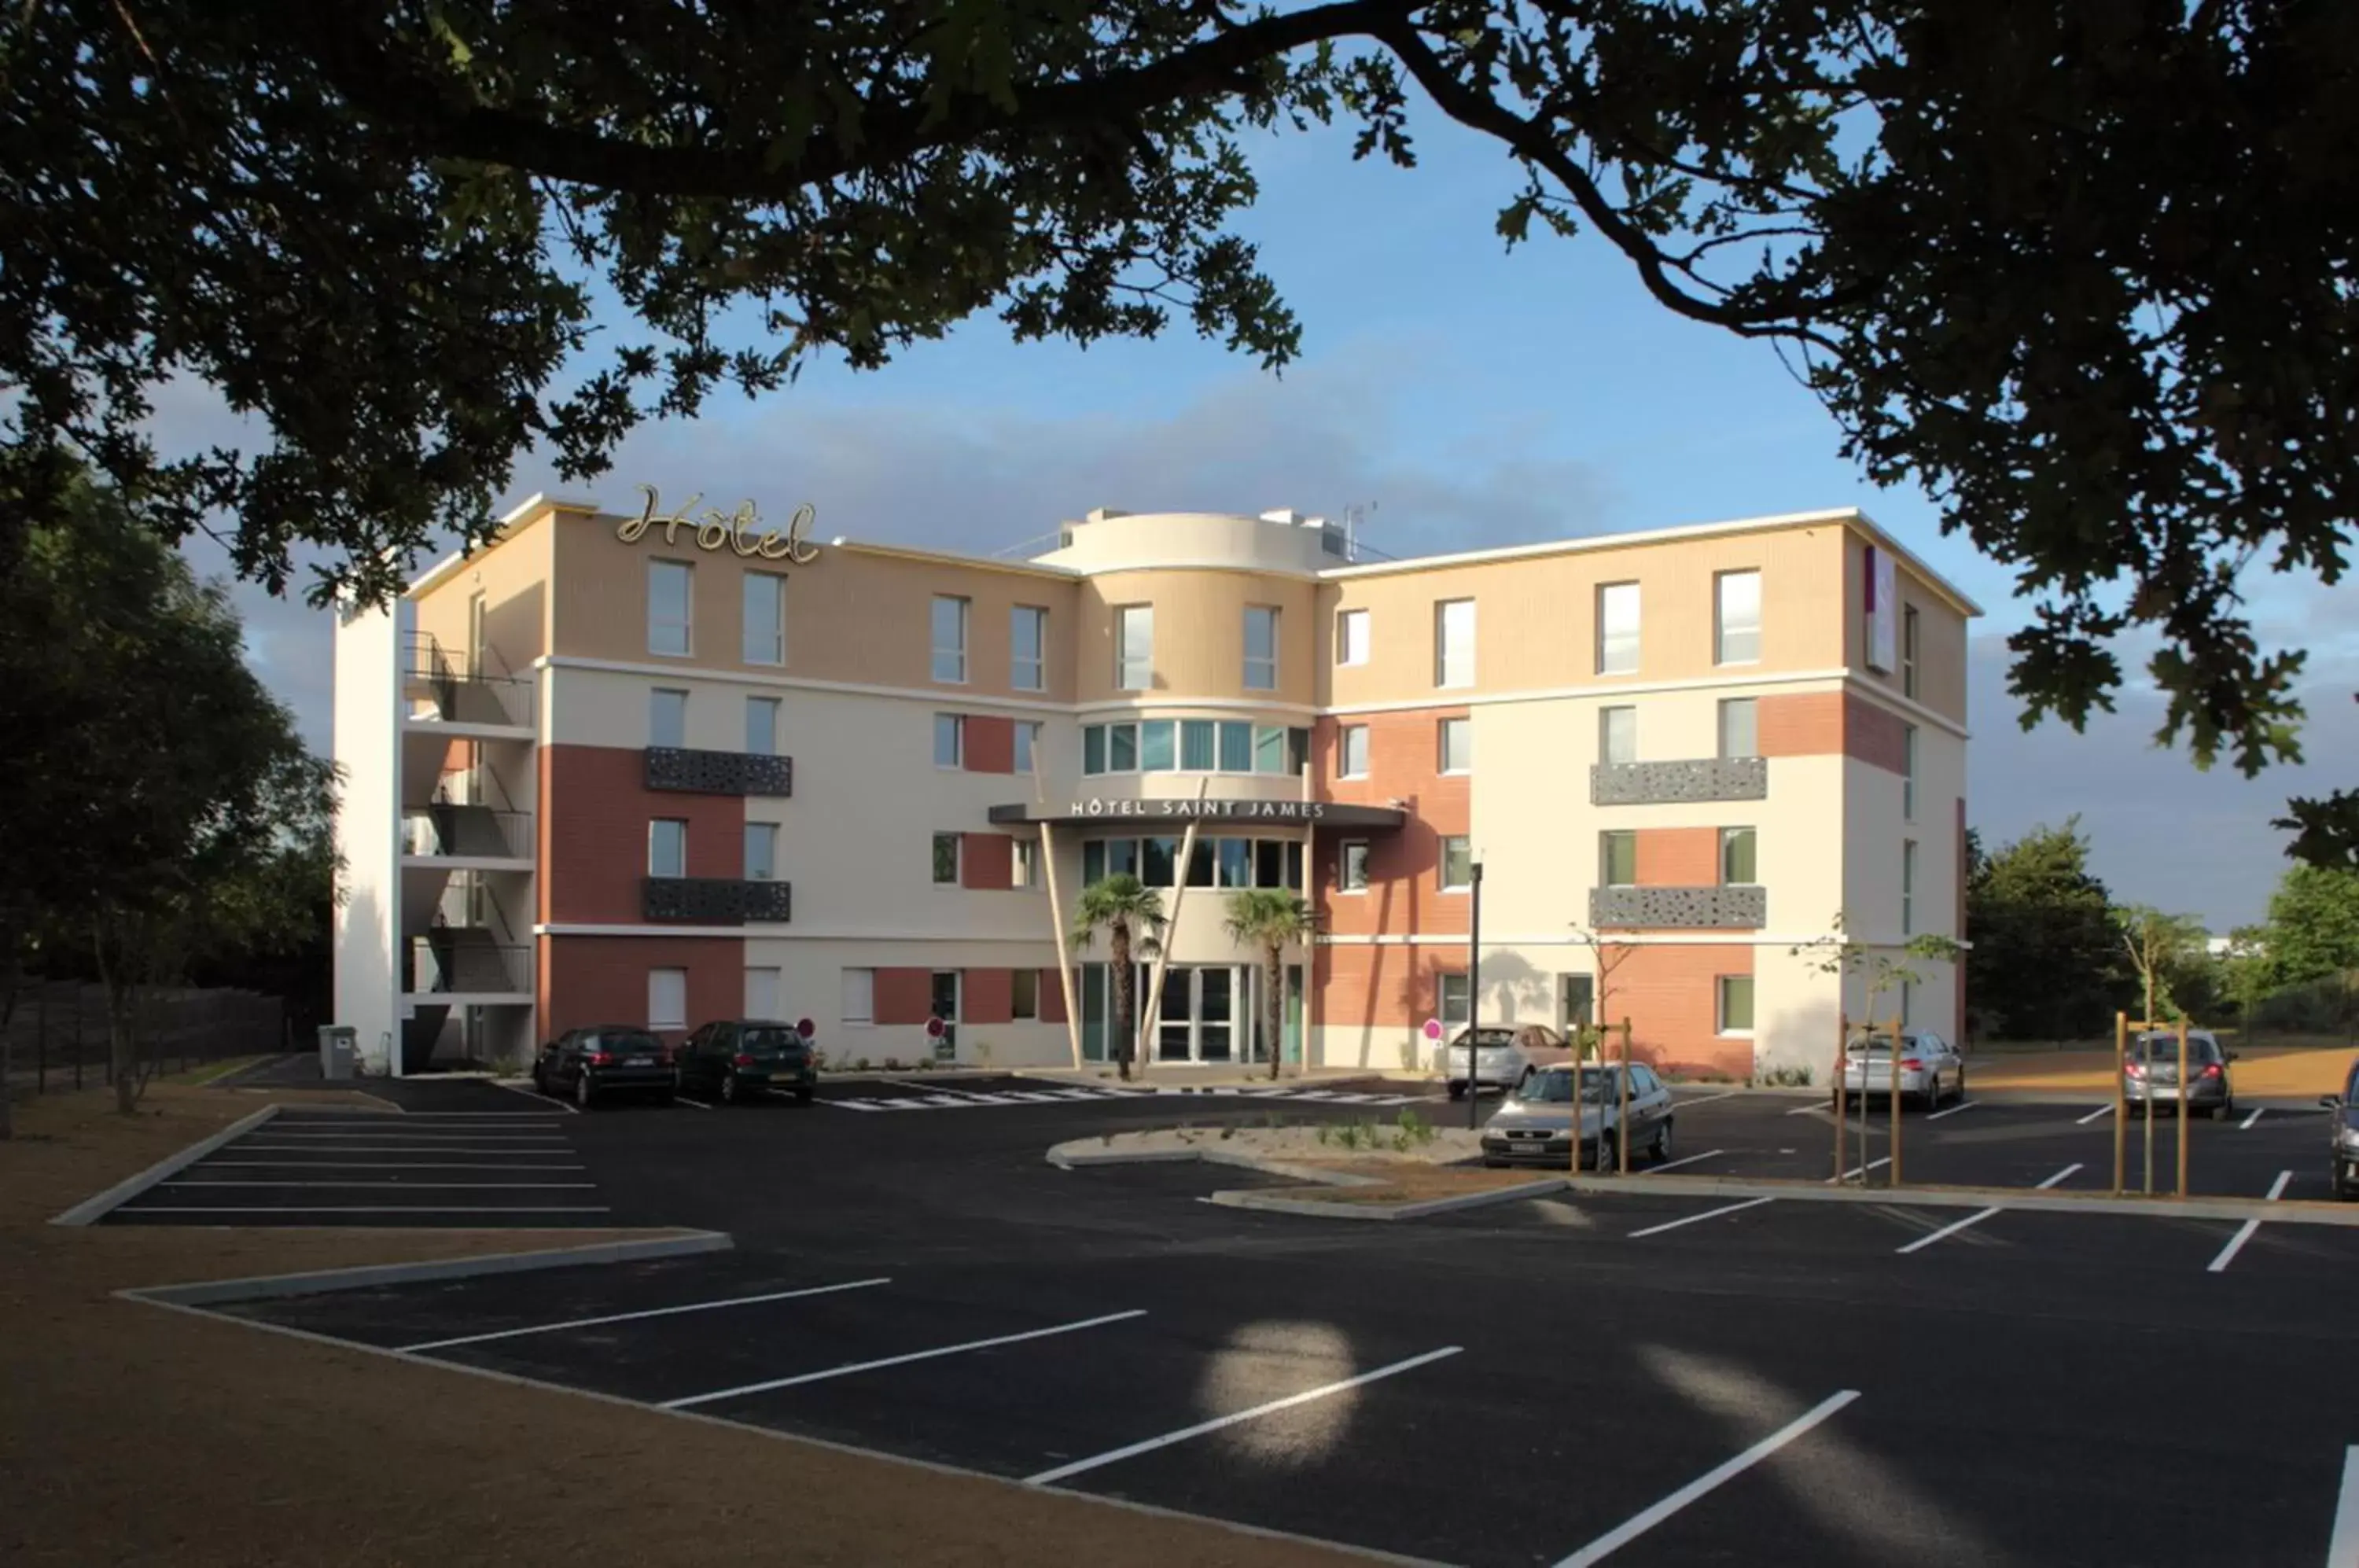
point(1457, 863)
point(1908, 773)
point(1121, 858)
point(667, 847)
point(669, 598)
point(1736, 617)
point(1453, 642)
point(1908, 887)
point(1455, 1010)
point(1269, 749)
point(1121, 748)
point(1351, 867)
point(1269, 863)
point(859, 996)
point(667, 998)
point(1457, 746)
point(949, 740)
point(1617, 859)
point(1158, 745)
point(1617, 628)
point(667, 717)
point(1740, 727)
point(1617, 735)
point(946, 860)
point(1298, 751)
point(1134, 648)
point(766, 618)
point(1159, 865)
point(1024, 865)
point(1236, 747)
point(1027, 744)
point(1093, 861)
point(1024, 994)
point(761, 992)
point(1094, 750)
point(1261, 649)
point(1028, 648)
point(1294, 853)
point(1198, 745)
point(1737, 1004)
point(1235, 856)
point(1200, 863)
point(1909, 650)
point(1351, 636)
point(762, 725)
point(950, 638)
point(1352, 752)
point(1737, 866)
point(761, 851)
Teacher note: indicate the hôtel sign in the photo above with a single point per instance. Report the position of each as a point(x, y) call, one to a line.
point(740, 531)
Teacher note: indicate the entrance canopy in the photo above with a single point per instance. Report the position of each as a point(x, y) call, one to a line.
point(1099, 811)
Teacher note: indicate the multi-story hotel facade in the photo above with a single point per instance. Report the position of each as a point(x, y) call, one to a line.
point(609, 769)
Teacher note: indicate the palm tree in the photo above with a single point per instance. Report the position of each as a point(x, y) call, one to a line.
point(1273, 920)
point(1132, 914)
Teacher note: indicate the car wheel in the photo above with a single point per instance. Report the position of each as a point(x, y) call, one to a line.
point(583, 1095)
point(1458, 1091)
point(730, 1092)
point(1661, 1150)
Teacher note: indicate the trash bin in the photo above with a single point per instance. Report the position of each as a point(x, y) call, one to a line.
point(339, 1050)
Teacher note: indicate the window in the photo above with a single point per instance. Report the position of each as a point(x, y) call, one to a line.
point(667, 847)
point(1134, 648)
point(1269, 862)
point(1737, 866)
point(1909, 650)
point(1234, 857)
point(1351, 867)
point(1576, 998)
point(762, 725)
point(1453, 642)
point(1617, 628)
point(1457, 864)
point(1908, 887)
point(949, 740)
point(1094, 750)
point(1617, 735)
point(667, 717)
point(667, 998)
point(1158, 745)
point(1298, 751)
point(1261, 649)
point(1025, 864)
point(1158, 863)
point(1737, 1004)
point(1197, 738)
point(950, 638)
point(1457, 746)
point(1351, 636)
point(761, 992)
point(669, 600)
point(1908, 773)
point(1617, 859)
point(1269, 749)
point(1028, 648)
point(1027, 744)
point(1121, 748)
point(946, 860)
point(1736, 617)
point(1740, 727)
point(1456, 1008)
point(1024, 994)
point(859, 996)
point(1236, 747)
point(766, 618)
point(1352, 752)
point(761, 851)
point(1908, 995)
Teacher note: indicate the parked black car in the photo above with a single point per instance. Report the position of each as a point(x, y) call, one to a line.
point(588, 1063)
point(738, 1058)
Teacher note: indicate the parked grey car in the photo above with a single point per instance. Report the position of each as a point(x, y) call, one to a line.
point(1503, 1056)
point(1536, 1126)
point(2150, 1074)
point(2343, 1147)
point(1931, 1069)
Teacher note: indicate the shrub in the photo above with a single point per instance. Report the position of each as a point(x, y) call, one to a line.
point(1788, 1077)
point(892, 1064)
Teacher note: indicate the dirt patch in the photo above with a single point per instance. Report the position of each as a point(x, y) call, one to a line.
point(2291, 1071)
point(132, 1434)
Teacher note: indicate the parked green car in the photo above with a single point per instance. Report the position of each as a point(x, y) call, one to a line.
point(742, 1059)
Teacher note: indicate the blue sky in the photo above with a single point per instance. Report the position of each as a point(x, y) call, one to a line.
point(1474, 396)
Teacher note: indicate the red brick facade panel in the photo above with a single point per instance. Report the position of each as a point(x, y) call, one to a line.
point(988, 996)
point(990, 744)
point(1052, 996)
point(587, 980)
point(1670, 994)
point(1679, 858)
point(1381, 985)
point(594, 811)
point(1873, 733)
point(903, 996)
point(987, 861)
point(1829, 723)
point(1404, 893)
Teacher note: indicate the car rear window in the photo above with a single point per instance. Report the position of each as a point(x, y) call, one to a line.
point(1489, 1038)
point(625, 1041)
point(2164, 1047)
point(771, 1036)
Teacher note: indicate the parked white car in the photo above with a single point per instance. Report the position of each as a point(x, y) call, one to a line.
point(1931, 1069)
point(1503, 1056)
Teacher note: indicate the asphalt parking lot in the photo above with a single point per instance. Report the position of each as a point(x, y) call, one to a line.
point(1634, 1377)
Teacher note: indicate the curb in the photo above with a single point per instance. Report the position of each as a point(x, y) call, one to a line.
point(265, 1286)
point(90, 1210)
point(2278, 1211)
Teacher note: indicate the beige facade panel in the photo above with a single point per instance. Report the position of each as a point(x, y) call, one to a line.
point(513, 581)
point(1199, 636)
point(1942, 635)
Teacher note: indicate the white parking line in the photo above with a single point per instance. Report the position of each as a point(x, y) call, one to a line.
point(1860, 1169)
point(1640, 1524)
point(351, 1209)
point(422, 1135)
point(1954, 1110)
point(691, 1105)
point(371, 1165)
point(527, 1153)
point(2092, 1115)
point(2248, 1121)
point(1675, 1164)
point(1978, 1215)
point(1707, 1214)
point(413, 1186)
point(1807, 1110)
point(2343, 1546)
point(847, 1370)
point(1723, 1094)
point(530, 1093)
point(1184, 1433)
point(2245, 1232)
point(650, 1313)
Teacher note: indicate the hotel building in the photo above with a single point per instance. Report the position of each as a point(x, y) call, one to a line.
point(645, 768)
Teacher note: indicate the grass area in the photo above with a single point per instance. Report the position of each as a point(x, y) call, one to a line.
point(211, 1071)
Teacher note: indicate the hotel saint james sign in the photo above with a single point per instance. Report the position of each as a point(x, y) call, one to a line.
point(740, 532)
point(1210, 810)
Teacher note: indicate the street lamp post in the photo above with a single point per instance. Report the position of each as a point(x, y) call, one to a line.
point(1473, 992)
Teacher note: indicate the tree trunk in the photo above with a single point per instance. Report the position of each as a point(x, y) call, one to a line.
point(1276, 1007)
point(119, 1056)
point(1126, 1027)
point(11, 976)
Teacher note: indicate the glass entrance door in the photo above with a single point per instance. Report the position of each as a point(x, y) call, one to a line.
point(1215, 1013)
point(1175, 1031)
point(945, 1007)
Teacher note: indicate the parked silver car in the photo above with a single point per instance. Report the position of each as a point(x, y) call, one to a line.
point(1931, 1069)
point(1536, 1126)
point(1503, 1056)
point(2343, 1138)
point(2150, 1074)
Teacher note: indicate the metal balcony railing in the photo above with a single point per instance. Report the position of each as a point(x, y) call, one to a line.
point(719, 772)
point(445, 831)
point(461, 695)
point(456, 960)
point(1740, 908)
point(714, 900)
point(1687, 778)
